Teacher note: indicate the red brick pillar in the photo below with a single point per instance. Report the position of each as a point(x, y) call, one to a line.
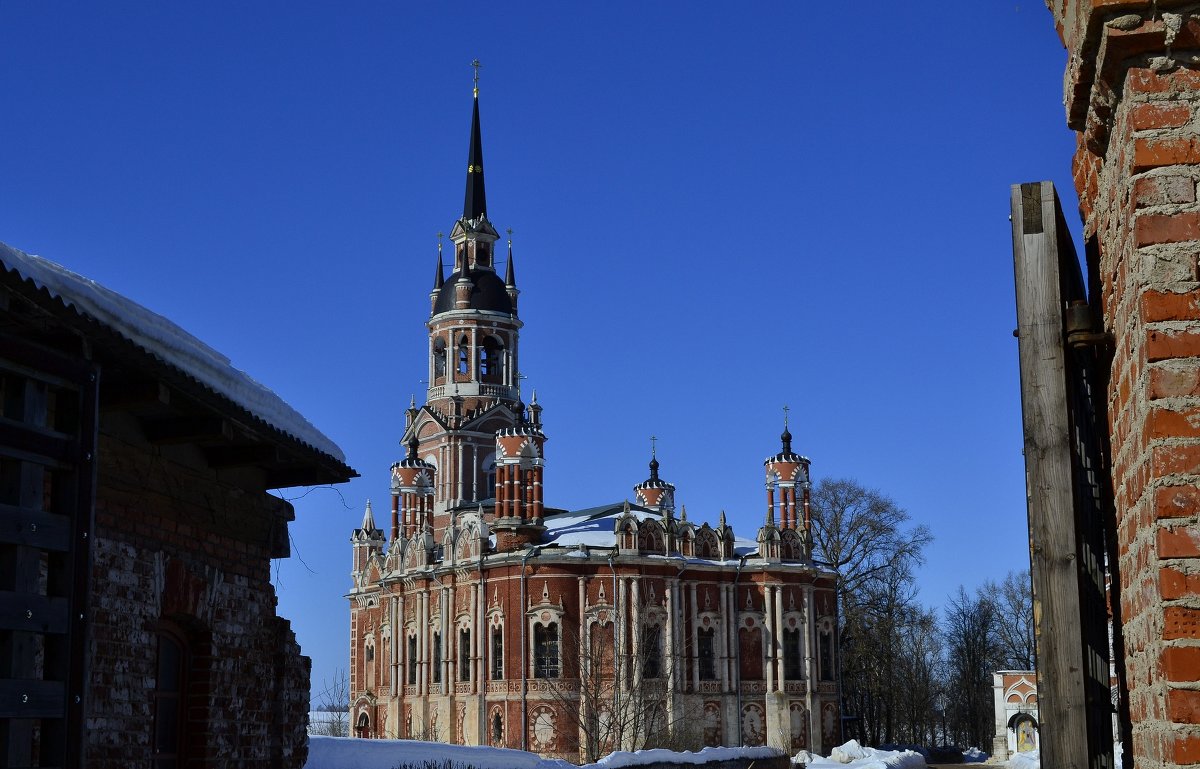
point(1133, 97)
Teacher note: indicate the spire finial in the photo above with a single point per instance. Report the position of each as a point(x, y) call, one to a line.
point(476, 65)
point(785, 416)
point(653, 446)
point(510, 276)
point(412, 401)
point(439, 278)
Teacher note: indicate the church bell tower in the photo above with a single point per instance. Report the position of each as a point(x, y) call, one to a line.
point(473, 395)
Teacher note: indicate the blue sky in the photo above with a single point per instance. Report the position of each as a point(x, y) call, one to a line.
point(718, 209)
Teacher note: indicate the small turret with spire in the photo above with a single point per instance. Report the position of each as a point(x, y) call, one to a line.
point(654, 493)
point(367, 540)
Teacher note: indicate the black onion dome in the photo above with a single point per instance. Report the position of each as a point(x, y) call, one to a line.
point(488, 292)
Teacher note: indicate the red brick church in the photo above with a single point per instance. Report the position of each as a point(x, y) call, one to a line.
point(480, 615)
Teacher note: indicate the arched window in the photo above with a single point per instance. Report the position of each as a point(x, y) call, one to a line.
point(362, 727)
point(497, 653)
point(825, 648)
point(439, 358)
point(497, 729)
point(464, 355)
point(437, 658)
point(464, 655)
point(170, 684)
point(491, 362)
point(545, 651)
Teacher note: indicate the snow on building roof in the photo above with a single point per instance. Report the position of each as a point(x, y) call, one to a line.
point(167, 342)
point(595, 527)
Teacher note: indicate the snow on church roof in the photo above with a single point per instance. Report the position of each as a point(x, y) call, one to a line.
point(595, 527)
point(167, 342)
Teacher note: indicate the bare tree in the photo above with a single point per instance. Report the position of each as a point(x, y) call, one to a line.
point(1014, 630)
point(861, 532)
point(866, 536)
point(972, 654)
point(333, 703)
point(618, 701)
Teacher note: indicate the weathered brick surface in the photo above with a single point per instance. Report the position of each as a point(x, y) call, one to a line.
point(1136, 168)
point(179, 543)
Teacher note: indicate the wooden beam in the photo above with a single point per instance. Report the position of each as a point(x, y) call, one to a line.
point(1048, 463)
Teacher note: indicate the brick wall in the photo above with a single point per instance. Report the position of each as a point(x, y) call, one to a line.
point(180, 546)
point(1133, 95)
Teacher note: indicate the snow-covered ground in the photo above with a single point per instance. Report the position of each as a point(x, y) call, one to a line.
point(855, 756)
point(350, 753)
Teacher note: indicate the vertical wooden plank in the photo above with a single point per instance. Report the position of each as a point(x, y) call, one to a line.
point(1048, 467)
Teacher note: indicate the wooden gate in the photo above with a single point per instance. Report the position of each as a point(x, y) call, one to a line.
point(1072, 525)
point(48, 407)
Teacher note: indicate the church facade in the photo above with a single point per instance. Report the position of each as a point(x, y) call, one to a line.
point(482, 616)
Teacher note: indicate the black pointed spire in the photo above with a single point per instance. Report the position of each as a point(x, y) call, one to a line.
point(439, 276)
point(510, 275)
point(475, 203)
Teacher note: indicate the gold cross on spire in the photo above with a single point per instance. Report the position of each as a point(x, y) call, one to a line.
point(440, 236)
point(476, 65)
point(785, 416)
point(653, 446)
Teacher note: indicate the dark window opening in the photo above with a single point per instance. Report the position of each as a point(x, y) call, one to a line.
point(464, 655)
point(439, 358)
point(792, 668)
point(168, 696)
point(437, 658)
point(412, 660)
point(491, 363)
point(497, 729)
point(706, 654)
point(825, 641)
point(652, 661)
point(497, 654)
point(545, 651)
